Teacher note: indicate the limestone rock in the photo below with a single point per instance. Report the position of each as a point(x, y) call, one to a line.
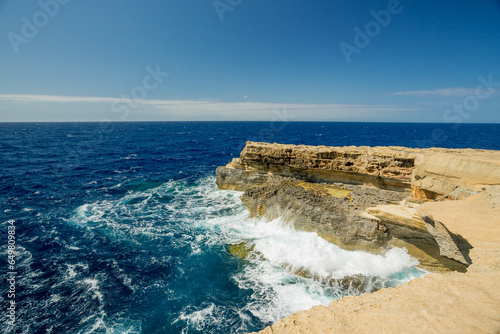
point(450, 245)
point(408, 230)
point(338, 213)
point(298, 177)
point(440, 173)
point(322, 209)
point(240, 179)
point(276, 179)
point(430, 173)
point(437, 303)
point(399, 215)
point(385, 167)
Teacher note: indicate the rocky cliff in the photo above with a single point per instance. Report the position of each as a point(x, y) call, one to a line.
point(353, 217)
point(437, 303)
point(440, 172)
point(384, 167)
point(372, 198)
point(384, 185)
point(429, 172)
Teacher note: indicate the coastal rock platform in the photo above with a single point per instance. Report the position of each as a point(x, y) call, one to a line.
point(443, 205)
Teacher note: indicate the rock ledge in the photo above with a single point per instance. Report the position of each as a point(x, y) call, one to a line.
point(371, 198)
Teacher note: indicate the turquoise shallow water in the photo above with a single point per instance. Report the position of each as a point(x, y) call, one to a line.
point(121, 229)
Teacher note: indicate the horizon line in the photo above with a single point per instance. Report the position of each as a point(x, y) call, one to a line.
point(263, 121)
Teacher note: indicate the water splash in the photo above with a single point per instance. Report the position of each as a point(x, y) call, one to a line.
point(192, 222)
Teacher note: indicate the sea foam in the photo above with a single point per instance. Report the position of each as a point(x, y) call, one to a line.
point(199, 218)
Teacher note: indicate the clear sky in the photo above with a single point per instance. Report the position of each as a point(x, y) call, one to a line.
point(325, 60)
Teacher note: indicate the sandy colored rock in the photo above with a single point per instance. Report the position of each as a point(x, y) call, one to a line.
point(451, 245)
point(469, 170)
point(430, 173)
point(399, 214)
point(385, 167)
point(408, 230)
point(352, 217)
point(313, 207)
point(466, 231)
point(437, 303)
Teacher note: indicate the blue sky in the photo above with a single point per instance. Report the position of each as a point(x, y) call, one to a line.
point(93, 60)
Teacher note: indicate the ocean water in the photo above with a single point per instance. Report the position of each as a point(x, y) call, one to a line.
point(120, 228)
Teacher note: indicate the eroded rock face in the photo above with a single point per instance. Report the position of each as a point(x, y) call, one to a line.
point(451, 245)
point(242, 179)
point(335, 219)
point(437, 303)
point(410, 230)
point(277, 180)
point(358, 218)
point(438, 233)
point(441, 173)
point(385, 167)
point(430, 173)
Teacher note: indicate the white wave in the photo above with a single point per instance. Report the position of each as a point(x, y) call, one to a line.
point(94, 288)
point(199, 319)
point(277, 293)
point(73, 270)
point(207, 217)
point(121, 326)
point(283, 245)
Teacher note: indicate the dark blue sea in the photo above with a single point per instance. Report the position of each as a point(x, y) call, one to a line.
point(120, 228)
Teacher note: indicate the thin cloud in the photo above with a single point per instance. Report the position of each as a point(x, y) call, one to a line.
point(212, 109)
point(22, 98)
point(444, 92)
point(195, 105)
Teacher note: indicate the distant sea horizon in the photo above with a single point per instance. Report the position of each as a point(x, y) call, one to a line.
point(248, 121)
point(425, 134)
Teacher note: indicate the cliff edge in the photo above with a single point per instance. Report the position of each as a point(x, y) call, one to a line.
point(441, 204)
